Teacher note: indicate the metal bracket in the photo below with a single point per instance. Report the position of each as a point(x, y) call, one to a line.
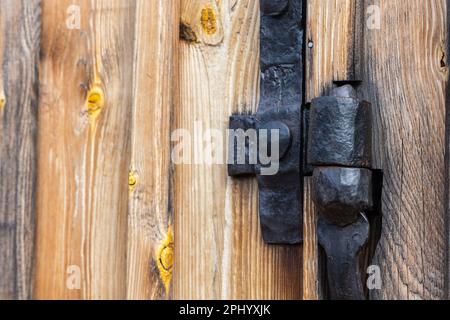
point(280, 195)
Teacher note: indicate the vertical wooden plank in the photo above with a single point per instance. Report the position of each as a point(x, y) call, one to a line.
point(446, 61)
point(332, 54)
point(219, 249)
point(150, 224)
point(334, 44)
point(311, 267)
point(84, 133)
point(405, 77)
point(20, 28)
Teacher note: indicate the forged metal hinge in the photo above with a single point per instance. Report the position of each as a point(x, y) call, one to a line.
point(331, 140)
point(345, 188)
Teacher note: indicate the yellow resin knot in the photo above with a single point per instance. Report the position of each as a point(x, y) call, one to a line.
point(2, 101)
point(209, 21)
point(95, 101)
point(165, 260)
point(132, 180)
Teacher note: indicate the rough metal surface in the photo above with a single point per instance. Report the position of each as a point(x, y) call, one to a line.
point(341, 194)
point(273, 7)
point(340, 151)
point(280, 195)
point(343, 246)
point(340, 131)
point(281, 57)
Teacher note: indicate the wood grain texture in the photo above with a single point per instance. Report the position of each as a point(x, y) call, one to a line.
point(334, 29)
point(405, 77)
point(219, 248)
point(20, 29)
point(84, 150)
point(150, 221)
point(311, 256)
point(446, 60)
point(199, 21)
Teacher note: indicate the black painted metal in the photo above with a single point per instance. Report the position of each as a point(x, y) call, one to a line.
point(273, 7)
point(342, 129)
point(341, 194)
point(280, 195)
point(339, 149)
point(343, 246)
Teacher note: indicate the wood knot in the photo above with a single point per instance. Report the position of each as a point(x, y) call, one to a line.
point(443, 55)
point(95, 101)
point(165, 260)
point(166, 257)
point(187, 33)
point(209, 20)
point(2, 100)
point(132, 180)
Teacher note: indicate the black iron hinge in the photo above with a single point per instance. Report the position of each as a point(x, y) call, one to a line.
point(331, 140)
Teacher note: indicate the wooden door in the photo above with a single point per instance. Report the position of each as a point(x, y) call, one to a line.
point(92, 94)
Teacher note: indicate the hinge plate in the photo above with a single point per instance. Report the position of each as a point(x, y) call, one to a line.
point(280, 194)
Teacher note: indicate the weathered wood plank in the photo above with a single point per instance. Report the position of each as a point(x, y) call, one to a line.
point(405, 77)
point(311, 256)
point(446, 60)
point(334, 29)
point(20, 28)
point(84, 149)
point(219, 249)
point(150, 221)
